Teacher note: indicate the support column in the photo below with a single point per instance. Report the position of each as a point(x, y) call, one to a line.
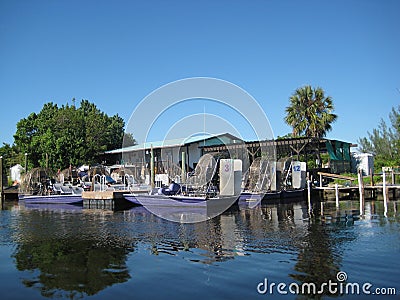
point(183, 175)
point(152, 167)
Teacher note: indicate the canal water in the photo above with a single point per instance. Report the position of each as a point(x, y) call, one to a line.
point(270, 251)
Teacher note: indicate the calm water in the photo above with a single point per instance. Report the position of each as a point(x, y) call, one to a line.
point(132, 254)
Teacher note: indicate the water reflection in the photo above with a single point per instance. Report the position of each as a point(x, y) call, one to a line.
point(330, 233)
point(217, 239)
point(70, 268)
point(62, 256)
point(71, 254)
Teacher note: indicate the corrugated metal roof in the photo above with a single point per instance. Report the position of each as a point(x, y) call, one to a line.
point(169, 143)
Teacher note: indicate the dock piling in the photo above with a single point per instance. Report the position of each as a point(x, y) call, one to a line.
point(309, 194)
point(320, 180)
point(360, 190)
point(371, 175)
point(385, 191)
point(1, 183)
point(337, 194)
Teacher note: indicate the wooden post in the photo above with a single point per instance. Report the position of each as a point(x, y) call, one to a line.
point(183, 175)
point(371, 177)
point(151, 167)
point(384, 185)
point(362, 185)
point(93, 183)
point(384, 193)
point(320, 180)
point(337, 195)
point(393, 179)
point(309, 194)
point(1, 183)
point(360, 190)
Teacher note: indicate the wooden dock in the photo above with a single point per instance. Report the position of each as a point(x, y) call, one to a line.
point(103, 195)
point(370, 192)
point(104, 199)
point(361, 190)
point(10, 194)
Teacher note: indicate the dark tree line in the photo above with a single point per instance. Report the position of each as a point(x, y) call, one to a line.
point(66, 135)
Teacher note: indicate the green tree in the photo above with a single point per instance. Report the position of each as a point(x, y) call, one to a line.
point(310, 113)
point(67, 135)
point(129, 140)
point(384, 141)
point(24, 137)
point(11, 157)
point(102, 133)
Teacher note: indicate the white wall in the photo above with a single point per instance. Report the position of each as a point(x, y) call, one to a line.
point(363, 161)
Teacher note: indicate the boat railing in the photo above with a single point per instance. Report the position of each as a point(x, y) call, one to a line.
point(103, 183)
point(94, 181)
point(128, 180)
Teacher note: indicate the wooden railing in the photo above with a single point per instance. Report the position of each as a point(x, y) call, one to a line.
point(330, 175)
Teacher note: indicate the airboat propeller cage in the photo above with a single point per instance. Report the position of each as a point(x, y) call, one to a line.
point(230, 177)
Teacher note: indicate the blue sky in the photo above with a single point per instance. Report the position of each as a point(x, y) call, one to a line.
point(114, 53)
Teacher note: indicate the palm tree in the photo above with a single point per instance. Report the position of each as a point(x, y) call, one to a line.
point(310, 113)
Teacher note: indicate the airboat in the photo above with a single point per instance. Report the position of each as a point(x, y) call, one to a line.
point(39, 187)
point(204, 188)
point(268, 180)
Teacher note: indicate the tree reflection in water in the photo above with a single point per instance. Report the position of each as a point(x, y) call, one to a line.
point(74, 255)
point(321, 252)
point(71, 267)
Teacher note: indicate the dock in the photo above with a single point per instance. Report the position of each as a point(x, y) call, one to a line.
point(10, 194)
point(361, 190)
point(370, 192)
point(104, 199)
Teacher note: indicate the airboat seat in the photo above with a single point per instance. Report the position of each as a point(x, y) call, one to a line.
point(77, 190)
point(66, 189)
point(173, 189)
point(57, 187)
